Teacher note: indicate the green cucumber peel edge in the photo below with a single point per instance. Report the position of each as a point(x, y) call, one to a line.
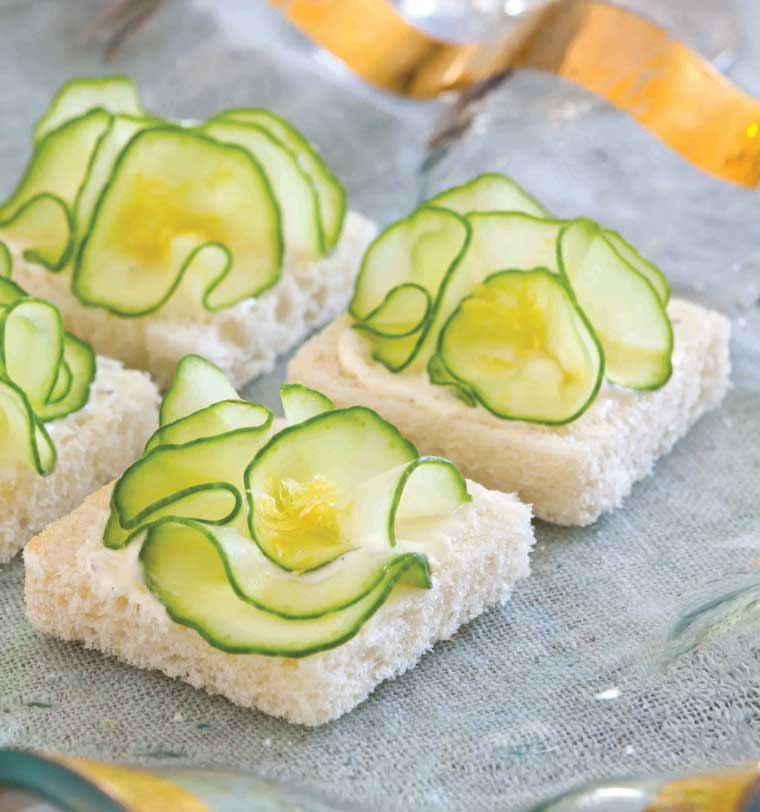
point(661, 303)
point(283, 433)
point(392, 577)
point(175, 130)
point(573, 301)
point(425, 327)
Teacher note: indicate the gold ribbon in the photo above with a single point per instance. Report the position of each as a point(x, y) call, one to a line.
point(631, 62)
point(136, 790)
point(733, 791)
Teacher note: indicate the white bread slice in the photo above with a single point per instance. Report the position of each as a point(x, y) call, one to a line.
point(94, 445)
point(570, 474)
point(243, 340)
point(76, 589)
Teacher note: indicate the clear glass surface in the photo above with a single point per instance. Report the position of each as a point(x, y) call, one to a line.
point(634, 646)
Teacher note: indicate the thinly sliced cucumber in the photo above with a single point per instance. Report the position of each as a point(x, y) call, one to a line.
point(300, 486)
point(490, 191)
point(6, 262)
point(301, 403)
point(200, 480)
point(187, 573)
point(31, 342)
point(117, 94)
point(219, 418)
point(499, 241)
point(524, 348)
point(440, 376)
point(394, 353)
point(403, 312)
point(121, 130)
point(430, 487)
point(422, 488)
point(331, 196)
point(642, 265)
point(10, 292)
point(22, 436)
point(180, 207)
point(41, 230)
point(256, 580)
point(79, 361)
point(215, 504)
point(292, 187)
point(414, 254)
point(62, 383)
point(621, 304)
point(60, 161)
point(197, 383)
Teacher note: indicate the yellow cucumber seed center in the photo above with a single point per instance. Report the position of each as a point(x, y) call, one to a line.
point(300, 516)
point(512, 323)
point(154, 215)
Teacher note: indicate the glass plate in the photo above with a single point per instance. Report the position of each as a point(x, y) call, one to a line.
point(634, 645)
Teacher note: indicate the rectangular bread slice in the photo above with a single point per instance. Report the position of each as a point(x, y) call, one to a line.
point(570, 474)
point(94, 445)
point(243, 340)
point(76, 589)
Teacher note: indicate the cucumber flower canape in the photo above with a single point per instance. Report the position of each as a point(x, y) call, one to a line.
point(511, 308)
point(135, 208)
point(278, 542)
point(45, 374)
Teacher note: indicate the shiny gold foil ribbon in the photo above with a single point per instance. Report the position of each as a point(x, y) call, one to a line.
point(135, 790)
point(733, 791)
point(629, 61)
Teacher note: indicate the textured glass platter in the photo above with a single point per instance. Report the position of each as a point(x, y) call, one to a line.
point(635, 646)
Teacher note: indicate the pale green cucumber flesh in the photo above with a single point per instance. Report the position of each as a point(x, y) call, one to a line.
point(499, 241)
point(292, 187)
point(187, 574)
point(6, 264)
point(41, 230)
point(622, 305)
point(524, 348)
point(394, 354)
point(330, 193)
point(414, 254)
point(218, 418)
point(10, 292)
point(256, 580)
point(79, 361)
point(313, 469)
point(180, 207)
point(403, 312)
point(424, 487)
point(440, 376)
point(121, 130)
point(488, 192)
point(31, 342)
point(197, 383)
point(116, 94)
point(642, 265)
point(300, 403)
point(62, 383)
point(60, 162)
point(200, 480)
point(22, 436)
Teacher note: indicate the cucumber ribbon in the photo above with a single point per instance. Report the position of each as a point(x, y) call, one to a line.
point(45, 375)
point(275, 542)
point(134, 208)
point(511, 308)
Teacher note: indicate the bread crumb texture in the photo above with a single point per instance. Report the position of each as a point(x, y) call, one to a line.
point(486, 550)
point(570, 474)
point(94, 445)
point(243, 340)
